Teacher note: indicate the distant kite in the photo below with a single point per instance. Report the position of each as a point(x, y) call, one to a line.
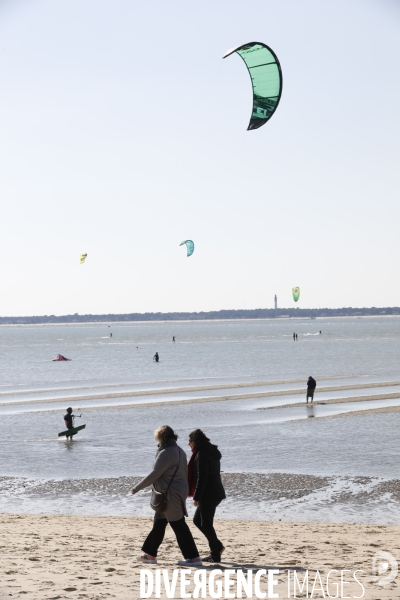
point(296, 293)
point(266, 78)
point(189, 247)
point(83, 258)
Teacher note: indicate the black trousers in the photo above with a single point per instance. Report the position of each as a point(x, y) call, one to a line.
point(203, 519)
point(183, 534)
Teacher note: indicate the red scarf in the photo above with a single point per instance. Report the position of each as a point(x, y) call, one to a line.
point(191, 481)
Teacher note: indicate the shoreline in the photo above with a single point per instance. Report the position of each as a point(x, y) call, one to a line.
point(263, 496)
point(211, 320)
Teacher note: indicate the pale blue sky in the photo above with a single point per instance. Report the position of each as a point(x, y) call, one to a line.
point(123, 132)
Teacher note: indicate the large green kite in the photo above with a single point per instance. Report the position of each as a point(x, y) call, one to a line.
point(296, 293)
point(266, 77)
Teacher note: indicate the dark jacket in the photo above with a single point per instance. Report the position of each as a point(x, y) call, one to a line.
point(207, 475)
point(311, 383)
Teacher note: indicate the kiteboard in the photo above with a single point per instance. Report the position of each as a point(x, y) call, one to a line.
point(72, 431)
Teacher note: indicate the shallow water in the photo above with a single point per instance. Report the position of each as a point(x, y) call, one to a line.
point(232, 358)
point(246, 350)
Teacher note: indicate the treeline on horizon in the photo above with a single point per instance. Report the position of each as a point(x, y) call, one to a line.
point(257, 313)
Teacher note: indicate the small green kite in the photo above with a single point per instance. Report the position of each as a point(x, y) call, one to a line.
point(296, 293)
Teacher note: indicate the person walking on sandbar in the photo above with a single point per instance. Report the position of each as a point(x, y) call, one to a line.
point(311, 385)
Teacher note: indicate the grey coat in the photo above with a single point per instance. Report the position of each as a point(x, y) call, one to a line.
point(163, 469)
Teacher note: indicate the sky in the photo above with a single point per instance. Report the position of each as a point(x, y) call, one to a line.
point(123, 132)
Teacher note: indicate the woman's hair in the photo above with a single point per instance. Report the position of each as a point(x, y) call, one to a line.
point(164, 434)
point(198, 437)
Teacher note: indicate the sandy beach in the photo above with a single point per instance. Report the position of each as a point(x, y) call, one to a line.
point(94, 558)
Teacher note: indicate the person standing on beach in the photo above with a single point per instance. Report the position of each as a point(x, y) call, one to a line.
point(311, 385)
point(169, 476)
point(205, 485)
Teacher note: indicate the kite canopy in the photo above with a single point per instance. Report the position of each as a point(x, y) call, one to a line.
point(296, 293)
point(83, 258)
point(60, 357)
point(266, 77)
point(189, 247)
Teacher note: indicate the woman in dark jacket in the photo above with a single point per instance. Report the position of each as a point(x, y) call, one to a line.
point(169, 475)
point(206, 487)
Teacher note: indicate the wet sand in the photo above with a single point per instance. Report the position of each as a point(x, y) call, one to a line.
point(358, 413)
point(94, 558)
point(286, 497)
point(393, 396)
point(217, 398)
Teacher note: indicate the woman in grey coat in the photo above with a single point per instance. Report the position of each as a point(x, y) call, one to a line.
point(169, 456)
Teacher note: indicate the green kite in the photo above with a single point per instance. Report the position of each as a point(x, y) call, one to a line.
point(266, 78)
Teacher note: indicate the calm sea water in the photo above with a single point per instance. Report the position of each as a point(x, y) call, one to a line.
point(226, 350)
point(208, 360)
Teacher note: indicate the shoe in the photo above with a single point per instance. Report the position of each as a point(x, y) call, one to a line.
point(190, 562)
point(145, 559)
point(211, 560)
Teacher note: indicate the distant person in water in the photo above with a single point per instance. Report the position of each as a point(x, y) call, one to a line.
point(69, 420)
point(156, 357)
point(110, 334)
point(320, 332)
point(173, 339)
point(294, 337)
point(311, 385)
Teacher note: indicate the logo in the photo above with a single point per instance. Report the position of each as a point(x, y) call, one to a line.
point(381, 563)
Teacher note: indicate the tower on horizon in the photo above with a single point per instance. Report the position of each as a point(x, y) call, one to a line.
point(276, 302)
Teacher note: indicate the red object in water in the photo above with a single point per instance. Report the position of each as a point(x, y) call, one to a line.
point(60, 357)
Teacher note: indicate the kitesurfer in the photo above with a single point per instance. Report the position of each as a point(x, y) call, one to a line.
point(173, 339)
point(156, 357)
point(311, 385)
point(294, 337)
point(69, 420)
point(110, 334)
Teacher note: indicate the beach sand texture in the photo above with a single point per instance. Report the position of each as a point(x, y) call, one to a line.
point(94, 558)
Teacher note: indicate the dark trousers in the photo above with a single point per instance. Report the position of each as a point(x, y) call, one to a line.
point(183, 534)
point(203, 519)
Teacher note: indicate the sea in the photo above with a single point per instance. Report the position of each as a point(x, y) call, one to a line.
point(242, 381)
